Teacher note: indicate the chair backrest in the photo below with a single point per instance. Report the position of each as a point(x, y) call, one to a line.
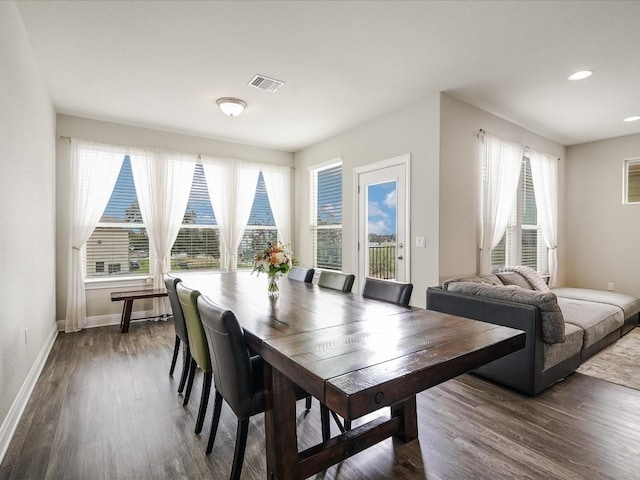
point(230, 359)
point(197, 341)
point(170, 283)
point(388, 291)
point(336, 280)
point(301, 274)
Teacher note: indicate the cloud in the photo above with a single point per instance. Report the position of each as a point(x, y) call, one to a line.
point(390, 199)
point(375, 211)
point(379, 228)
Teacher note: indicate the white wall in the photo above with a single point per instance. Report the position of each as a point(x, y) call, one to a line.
point(459, 182)
point(412, 130)
point(604, 234)
point(27, 214)
point(99, 305)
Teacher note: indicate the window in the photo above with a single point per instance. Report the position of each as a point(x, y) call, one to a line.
point(197, 246)
point(632, 181)
point(261, 227)
point(522, 243)
point(119, 242)
point(326, 216)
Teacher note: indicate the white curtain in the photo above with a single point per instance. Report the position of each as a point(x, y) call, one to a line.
point(544, 172)
point(232, 187)
point(163, 183)
point(94, 172)
point(501, 162)
point(277, 180)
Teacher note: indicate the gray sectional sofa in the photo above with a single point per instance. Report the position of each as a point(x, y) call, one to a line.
point(564, 326)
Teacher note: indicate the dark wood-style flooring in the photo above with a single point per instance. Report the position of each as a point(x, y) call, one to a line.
point(106, 408)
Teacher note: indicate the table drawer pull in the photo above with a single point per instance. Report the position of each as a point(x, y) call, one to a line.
point(379, 397)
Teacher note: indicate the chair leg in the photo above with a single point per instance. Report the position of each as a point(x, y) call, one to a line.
point(347, 425)
point(307, 403)
point(175, 355)
point(186, 361)
point(192, 373)
point(241, 443)
point(217, 408)
point(324, 418)
point(204, 400)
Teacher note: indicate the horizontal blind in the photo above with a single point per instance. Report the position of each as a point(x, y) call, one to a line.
point(197, 246)
point(327, 217)
point(528, 218)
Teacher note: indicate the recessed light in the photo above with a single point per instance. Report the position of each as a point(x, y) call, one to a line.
point(632, 119)
point(581, 75)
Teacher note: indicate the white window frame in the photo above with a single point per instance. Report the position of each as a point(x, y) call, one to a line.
point(627, 163)
point(313, 217)
point(513, 234)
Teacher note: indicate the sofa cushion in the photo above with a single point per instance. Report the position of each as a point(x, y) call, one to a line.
point(531, 275)
point(630, 305)
point(596, 319)
point(514, 278)
point(555, 353)
point(550, 313)
point(487, 279)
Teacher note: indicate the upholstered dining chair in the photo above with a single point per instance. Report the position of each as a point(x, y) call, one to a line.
point(180, 327)
point(238, 376)
point(387, 291)
point(336, 280)
point(198, 348)
point(301, 274)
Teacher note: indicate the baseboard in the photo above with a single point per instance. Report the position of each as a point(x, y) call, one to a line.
point(113, 319)
point(10, 423)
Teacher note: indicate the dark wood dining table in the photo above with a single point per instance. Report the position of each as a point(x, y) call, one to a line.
point(355, 355)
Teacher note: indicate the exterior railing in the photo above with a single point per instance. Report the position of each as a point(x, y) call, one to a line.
point(382, 262)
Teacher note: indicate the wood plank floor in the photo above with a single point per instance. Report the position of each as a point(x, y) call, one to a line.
point(106, 408)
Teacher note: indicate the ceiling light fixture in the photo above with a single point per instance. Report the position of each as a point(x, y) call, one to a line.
point(231, 106)
point(581, 75)
point(632, 119)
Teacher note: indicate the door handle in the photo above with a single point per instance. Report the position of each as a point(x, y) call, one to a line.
point(400, 257)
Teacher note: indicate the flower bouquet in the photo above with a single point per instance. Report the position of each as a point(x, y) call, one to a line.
point(274, 261)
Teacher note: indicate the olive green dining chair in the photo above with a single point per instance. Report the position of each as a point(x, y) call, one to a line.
point(198, 348)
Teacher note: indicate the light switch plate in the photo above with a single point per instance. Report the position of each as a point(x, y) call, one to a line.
point(421, 242)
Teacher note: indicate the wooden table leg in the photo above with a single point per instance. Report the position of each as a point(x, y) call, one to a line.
point(126, 316)
point(280, 426)
point(408, 411)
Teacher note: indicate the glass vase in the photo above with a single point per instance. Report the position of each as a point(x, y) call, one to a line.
point(273, 289)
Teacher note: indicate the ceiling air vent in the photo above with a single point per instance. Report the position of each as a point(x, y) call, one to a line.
point(265, 83)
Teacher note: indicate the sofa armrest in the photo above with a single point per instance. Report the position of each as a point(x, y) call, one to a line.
point(517, 370)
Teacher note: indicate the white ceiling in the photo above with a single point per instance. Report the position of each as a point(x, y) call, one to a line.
point(162, 64)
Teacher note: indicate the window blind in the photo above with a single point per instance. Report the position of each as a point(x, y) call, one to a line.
point(326, 216)
point(261, 227)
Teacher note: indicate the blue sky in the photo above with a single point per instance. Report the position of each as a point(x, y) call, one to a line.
point(382, 208)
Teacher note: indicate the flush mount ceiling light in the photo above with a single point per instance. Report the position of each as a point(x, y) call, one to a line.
point(231, 106)
point(581, 75)
point(635, 118)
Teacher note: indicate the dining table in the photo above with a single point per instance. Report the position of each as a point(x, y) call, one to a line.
point(355, 355)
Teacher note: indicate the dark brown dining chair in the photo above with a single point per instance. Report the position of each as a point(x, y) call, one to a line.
point(198, 348)
point(238, 376)
point(388, 291)
point(336, 280)
point(301, 274)
point(170, 283)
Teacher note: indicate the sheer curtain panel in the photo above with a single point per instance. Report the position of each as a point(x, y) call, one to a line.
point(544, 171)
point(232, 187)
point(501, 166)
point(277, 179)
point(94, 172)
point(163, 182)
